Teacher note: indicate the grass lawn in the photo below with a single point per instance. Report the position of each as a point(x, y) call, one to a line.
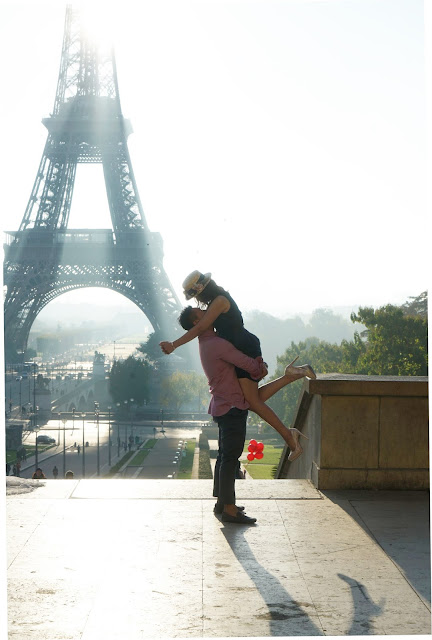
point(185, 471)
point(30, 451)
point(119, 464)
point(262, 469)
point(142, 453)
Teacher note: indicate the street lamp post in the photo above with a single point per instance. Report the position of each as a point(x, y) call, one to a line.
point(34, 392)
point(20, 403)
point(96, 405)
point(109, 436)
point(129, 413)
point(132, 417)
point(64, 420)
point(118, 405)
point(83, 415)
point(126, 427)
point(36, 429)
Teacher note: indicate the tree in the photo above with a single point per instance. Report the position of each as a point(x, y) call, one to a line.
point(130, 378)
point(324, 357)
point(151, 349)
point(417, 306)
point(182, 388)
point(395, 343)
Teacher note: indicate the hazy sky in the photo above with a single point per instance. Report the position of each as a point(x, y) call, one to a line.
point(279, 144)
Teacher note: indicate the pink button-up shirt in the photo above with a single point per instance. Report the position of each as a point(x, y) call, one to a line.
point(218, 358)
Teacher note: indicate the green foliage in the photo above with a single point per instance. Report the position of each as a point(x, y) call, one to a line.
point(183, 388)
point(119, 464)
point(394, 342)
point(323, 324)
point(262, 471)
point(142, 453)
point(151, 349)
point(417, 306)
point(186, 464)
point(204, 467)
point(130, 379)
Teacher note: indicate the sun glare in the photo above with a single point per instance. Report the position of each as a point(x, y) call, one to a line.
point(98, 22)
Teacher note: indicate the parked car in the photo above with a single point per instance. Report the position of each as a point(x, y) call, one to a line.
point(45, 440)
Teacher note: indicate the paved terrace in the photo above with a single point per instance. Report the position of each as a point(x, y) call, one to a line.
point(116, 559)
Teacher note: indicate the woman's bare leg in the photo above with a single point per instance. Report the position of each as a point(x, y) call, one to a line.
point(268, 390)
point(251, 393)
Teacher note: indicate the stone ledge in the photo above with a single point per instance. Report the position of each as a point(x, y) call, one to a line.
point(136, 489)
point(355, 385)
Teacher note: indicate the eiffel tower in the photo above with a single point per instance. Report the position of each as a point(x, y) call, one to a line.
point(45, 259)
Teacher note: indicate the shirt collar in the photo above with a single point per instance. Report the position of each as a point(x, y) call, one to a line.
point(208, 333)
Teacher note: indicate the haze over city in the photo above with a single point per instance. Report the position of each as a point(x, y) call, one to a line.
point(279, 145)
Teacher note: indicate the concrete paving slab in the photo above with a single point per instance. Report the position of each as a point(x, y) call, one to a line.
point(106, 559)
point(193, 490)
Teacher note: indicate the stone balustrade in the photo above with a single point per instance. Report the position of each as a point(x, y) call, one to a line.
point(365, 432)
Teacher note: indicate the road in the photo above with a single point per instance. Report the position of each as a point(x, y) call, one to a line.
point(66, 457)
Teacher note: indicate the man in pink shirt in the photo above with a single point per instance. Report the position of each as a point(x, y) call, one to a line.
point(228, 408)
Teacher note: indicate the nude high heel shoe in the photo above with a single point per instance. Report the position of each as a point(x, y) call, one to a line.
point(309, 372)
point(289, 369)
point(304, 370)
point(298, 450)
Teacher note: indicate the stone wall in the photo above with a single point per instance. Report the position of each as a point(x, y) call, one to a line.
point(365, 432)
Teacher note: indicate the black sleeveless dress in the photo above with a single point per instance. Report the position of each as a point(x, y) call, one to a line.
point(230, 326)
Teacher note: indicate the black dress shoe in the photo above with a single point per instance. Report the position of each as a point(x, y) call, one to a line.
point(240, 518)
point(218, 508)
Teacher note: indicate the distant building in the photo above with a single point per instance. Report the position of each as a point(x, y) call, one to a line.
point(99, 365)
point(14, 430)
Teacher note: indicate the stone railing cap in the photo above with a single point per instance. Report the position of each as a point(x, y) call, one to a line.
point(352, 384)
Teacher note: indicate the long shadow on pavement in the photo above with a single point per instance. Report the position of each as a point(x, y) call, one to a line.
point(399, 522)
point(285, 615)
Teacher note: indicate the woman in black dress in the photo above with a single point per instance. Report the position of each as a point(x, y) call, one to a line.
point(223, 313)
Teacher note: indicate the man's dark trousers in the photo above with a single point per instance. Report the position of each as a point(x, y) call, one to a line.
point(232, 434)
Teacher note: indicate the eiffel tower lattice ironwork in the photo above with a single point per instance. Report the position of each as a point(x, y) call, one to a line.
point(45, 259)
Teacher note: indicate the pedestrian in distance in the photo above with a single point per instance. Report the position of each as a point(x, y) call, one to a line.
point(18, 468)
point(229, 409)
point(14, 470)
point(8, 467)
point(79, 449)
point(55, 472)
point(39, 474)
point(221, 311)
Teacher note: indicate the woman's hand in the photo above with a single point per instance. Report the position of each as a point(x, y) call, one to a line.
point(264, 370)
point(167, 347)
point(264, 367)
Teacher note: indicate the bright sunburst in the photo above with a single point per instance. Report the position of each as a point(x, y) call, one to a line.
point(98, 22)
